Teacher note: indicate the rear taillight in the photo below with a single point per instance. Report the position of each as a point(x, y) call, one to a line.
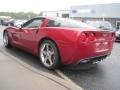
point(112, 36)
point(83, 37)
point(91, 36)
point(86, 37)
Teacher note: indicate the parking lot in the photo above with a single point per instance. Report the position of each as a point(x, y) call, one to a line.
point(103, 76)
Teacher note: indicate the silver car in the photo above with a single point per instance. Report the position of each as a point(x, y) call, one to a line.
point(117, 34)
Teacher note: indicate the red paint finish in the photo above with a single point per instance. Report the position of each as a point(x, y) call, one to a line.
point(74, 44)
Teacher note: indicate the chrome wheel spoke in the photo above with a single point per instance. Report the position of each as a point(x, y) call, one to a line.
point(51, 53)
point(50, 61)
point(47, 47)
point(43, 52)
point(45, 60)
point(47, 55)
point(5, 39)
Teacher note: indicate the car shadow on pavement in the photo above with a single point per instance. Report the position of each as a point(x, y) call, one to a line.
point(28, 59)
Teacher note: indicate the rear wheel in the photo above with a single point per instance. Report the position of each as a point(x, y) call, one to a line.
point(49, 55)
point(6, 39)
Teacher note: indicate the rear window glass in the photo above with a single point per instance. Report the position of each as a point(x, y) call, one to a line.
point(67, 23)
point(100, 24)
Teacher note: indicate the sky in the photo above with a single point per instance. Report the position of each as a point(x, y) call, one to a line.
point(46, 5)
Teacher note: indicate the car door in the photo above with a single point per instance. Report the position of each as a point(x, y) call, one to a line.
point(28, 34)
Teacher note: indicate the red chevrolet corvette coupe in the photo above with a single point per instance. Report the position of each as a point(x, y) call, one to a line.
point(59, 41)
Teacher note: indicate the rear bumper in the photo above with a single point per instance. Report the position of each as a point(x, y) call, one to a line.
point(93, 59)
point(75, 53)
point(88, 51)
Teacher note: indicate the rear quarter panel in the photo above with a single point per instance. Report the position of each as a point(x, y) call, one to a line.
point(88, 49)
point(64, 39)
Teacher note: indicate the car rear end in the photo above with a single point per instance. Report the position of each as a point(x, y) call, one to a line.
point(83, 42)
point(94, 45)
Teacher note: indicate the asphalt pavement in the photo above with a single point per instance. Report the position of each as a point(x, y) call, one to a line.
point(103, 76)
point(13, 76)
point(22, 71)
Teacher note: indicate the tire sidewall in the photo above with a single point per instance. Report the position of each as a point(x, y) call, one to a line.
point(56, 62)
point(8, 44)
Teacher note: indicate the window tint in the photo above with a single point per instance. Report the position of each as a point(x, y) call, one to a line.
point(100, 24)
point(53, 23)
point(67, 23)
point(35, 23)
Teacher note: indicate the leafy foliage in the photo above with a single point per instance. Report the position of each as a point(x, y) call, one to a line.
point(19, 15)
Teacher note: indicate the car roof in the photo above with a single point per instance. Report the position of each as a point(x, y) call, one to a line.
point(50, 18)
point(44, 17)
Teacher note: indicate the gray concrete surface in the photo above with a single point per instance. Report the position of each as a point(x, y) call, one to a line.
point(15, 77)
point(103, 76)
point(16, 74)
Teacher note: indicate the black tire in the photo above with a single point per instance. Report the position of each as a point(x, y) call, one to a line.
point(46, 49)
point(6, 40)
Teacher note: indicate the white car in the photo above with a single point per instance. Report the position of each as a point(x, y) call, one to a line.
point(117, 34)
point(100, 24)
point(19, 22)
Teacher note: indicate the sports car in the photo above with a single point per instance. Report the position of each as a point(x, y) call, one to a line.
point(58, 41)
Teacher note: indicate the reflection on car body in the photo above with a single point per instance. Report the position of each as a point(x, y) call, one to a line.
point(59, 41)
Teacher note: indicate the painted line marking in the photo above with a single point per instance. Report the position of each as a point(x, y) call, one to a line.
point(59, 72)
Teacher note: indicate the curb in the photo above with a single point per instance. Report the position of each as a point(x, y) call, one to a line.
point(67, 84)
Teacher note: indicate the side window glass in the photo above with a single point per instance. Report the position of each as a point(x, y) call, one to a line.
point(36, 23)
point(53, 23)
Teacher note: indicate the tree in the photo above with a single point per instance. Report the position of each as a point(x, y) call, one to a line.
point(19, 15)
point(41, 14)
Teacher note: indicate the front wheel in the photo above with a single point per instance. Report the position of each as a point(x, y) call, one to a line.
point(6, 39)
point(49, 54)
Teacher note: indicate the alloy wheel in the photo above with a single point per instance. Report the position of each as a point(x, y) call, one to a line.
point(5, 39)
point(47, 54)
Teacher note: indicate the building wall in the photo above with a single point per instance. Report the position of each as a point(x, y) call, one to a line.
point(96, 11)
point(59, 13)
point(113, 21)
point(110, 12)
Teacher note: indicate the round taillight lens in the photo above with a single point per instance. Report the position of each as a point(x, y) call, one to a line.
point(112, 36)
point(91, 37)
point(83, 37)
